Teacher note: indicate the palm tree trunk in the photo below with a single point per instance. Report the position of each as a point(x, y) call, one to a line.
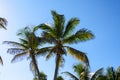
point(38, 73)
point(36, 66)
point(56, 67)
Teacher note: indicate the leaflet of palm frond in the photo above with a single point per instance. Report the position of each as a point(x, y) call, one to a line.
point(2, 26)
point(84, 34)
point(51, 53)
point(97, 74)
point(15, 51)
point(79, 36)
point(72, 23)
point(1, 61)
point(19, 57)
point(23, 41)
point(59, 21)
point(79, 68)
point(46, 28)
point(111, 73)
point(71, 75)
point(14, 44)
point(3, 21)
point(25, 32)
point(78, 54)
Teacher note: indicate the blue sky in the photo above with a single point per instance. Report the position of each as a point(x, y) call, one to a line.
point(102, 17)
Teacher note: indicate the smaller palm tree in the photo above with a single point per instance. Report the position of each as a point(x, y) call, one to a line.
point(83, 73)
point(3, 23)
point(27, 47)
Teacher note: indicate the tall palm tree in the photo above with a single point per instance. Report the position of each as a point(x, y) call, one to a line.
point(27, 47)
point(60, 35)
point(83, 73)
point(3, 23)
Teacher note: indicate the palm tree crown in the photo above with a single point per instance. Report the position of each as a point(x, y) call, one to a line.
point(61, 35)
point(27, 47)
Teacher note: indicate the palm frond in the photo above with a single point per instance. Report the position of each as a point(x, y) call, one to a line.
point(79, 36)
point(80, 68)
point(12, 43)
point(1, 61)
point(43, 51)
point(70, 40)
point(71, 75)
point(19, 57)
point(84, 34)
point(45, 27)
point(23, 41)
point(15, 50)
point(71, 26)
point(3, 23)
point(97, 73)
point(2, 26)
point(78, 54)
point(59, 21)
point(50, 53)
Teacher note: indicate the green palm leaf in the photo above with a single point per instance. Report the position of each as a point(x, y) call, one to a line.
point(19, 57)
point(12, 43)
point(71, 75)
point(59, 21)
point(79, 36)
point(3, 23)
point(71, 26)
point(78, 54)
point(43, 51)
point(97, 73)
point(15, 50)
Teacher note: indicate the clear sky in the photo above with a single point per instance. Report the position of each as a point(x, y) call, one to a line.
point(102, 17)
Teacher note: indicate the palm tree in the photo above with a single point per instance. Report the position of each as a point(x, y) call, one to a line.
point(27, 47)
point(3, 23)
point(60, 35)
point(83, 73)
